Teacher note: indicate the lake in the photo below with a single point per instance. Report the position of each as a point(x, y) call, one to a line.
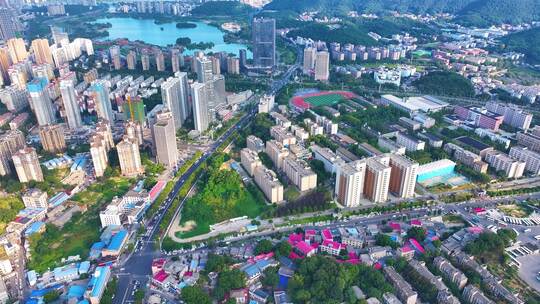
point(146, 30)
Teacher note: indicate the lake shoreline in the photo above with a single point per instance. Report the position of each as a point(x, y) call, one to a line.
point(164, 35)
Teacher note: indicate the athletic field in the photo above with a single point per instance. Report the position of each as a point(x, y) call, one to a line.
point(318, 99)
point(324, 100)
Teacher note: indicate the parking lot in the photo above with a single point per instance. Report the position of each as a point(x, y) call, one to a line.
point(529, 270)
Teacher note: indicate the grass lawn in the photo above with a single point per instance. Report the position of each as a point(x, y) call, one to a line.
point(251, 205)
point(9, 207)
point(291, 193)
point(324, 100)
point(515, 210)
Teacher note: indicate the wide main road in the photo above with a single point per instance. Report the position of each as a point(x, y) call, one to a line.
point(137, 267)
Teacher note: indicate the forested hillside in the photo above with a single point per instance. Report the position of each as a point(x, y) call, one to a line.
point(469, 12)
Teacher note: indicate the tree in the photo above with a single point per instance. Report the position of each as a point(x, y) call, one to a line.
point(417, 233)
point(385, 240)
point(139, 296)
point(51, 296)
point(271, 277)
point(264, 246)
point(228, 280)
point(217, 263)
point(283, 248)
point(195, 295)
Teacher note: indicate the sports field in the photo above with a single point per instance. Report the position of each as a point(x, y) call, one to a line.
point(324, 100)
point(318, 99)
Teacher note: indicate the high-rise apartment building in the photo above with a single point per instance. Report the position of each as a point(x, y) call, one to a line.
point(14, 98)
point(216, 65)
point(165, 140)
point(200, 106)
point(134, 130)
point(250, 160)
point(264, 42)
point(300, 174)
point(145, 61)
point(99, 92)
point(233, 66)
point(17, 50)
point(242, 54)
point(98, 151)
point(322, 66)
point(377, 179)
point(277, 152)
point(41, 102)
point(52, 138)
point(71, 103)
point(349, 187)
point(115, 57)
point(131, 60)
point(403, 176)
point(269, 184)
point(310, 53)
point(42, 51)
point(160, 61)
point(175, 60)
point(174, 95)
point(10, 142)
point(129, 157)
point(5, 62)
point(8, 28)
point(44, 71)
point(27, 165)
point(103, 128)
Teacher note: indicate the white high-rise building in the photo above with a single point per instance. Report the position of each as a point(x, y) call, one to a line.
point(165, 140)
point(350, 183)
point(71, 103)
point(322, 66)
point(129, 157)
point(174, 96)
point(309, 59)
point(41, 102)
point(200, 106)
point(98, 151)
point(27, 165)
point(204, 69)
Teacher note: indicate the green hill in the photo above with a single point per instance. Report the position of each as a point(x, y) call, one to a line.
point(526, 42)
point(469, 12)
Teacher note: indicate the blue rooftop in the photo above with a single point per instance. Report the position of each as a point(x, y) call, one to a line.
point(117, 240)
point(76, 291)
point(34, 227)
point(99, 280)
point(84, 267)
point(37, 85)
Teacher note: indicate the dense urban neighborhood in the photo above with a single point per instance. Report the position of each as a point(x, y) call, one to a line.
point(260, 151)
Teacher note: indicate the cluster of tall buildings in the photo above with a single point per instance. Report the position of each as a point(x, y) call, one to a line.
point(374, 178)
point(316, 63)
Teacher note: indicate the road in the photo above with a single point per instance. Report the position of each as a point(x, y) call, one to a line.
point(138, 265)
